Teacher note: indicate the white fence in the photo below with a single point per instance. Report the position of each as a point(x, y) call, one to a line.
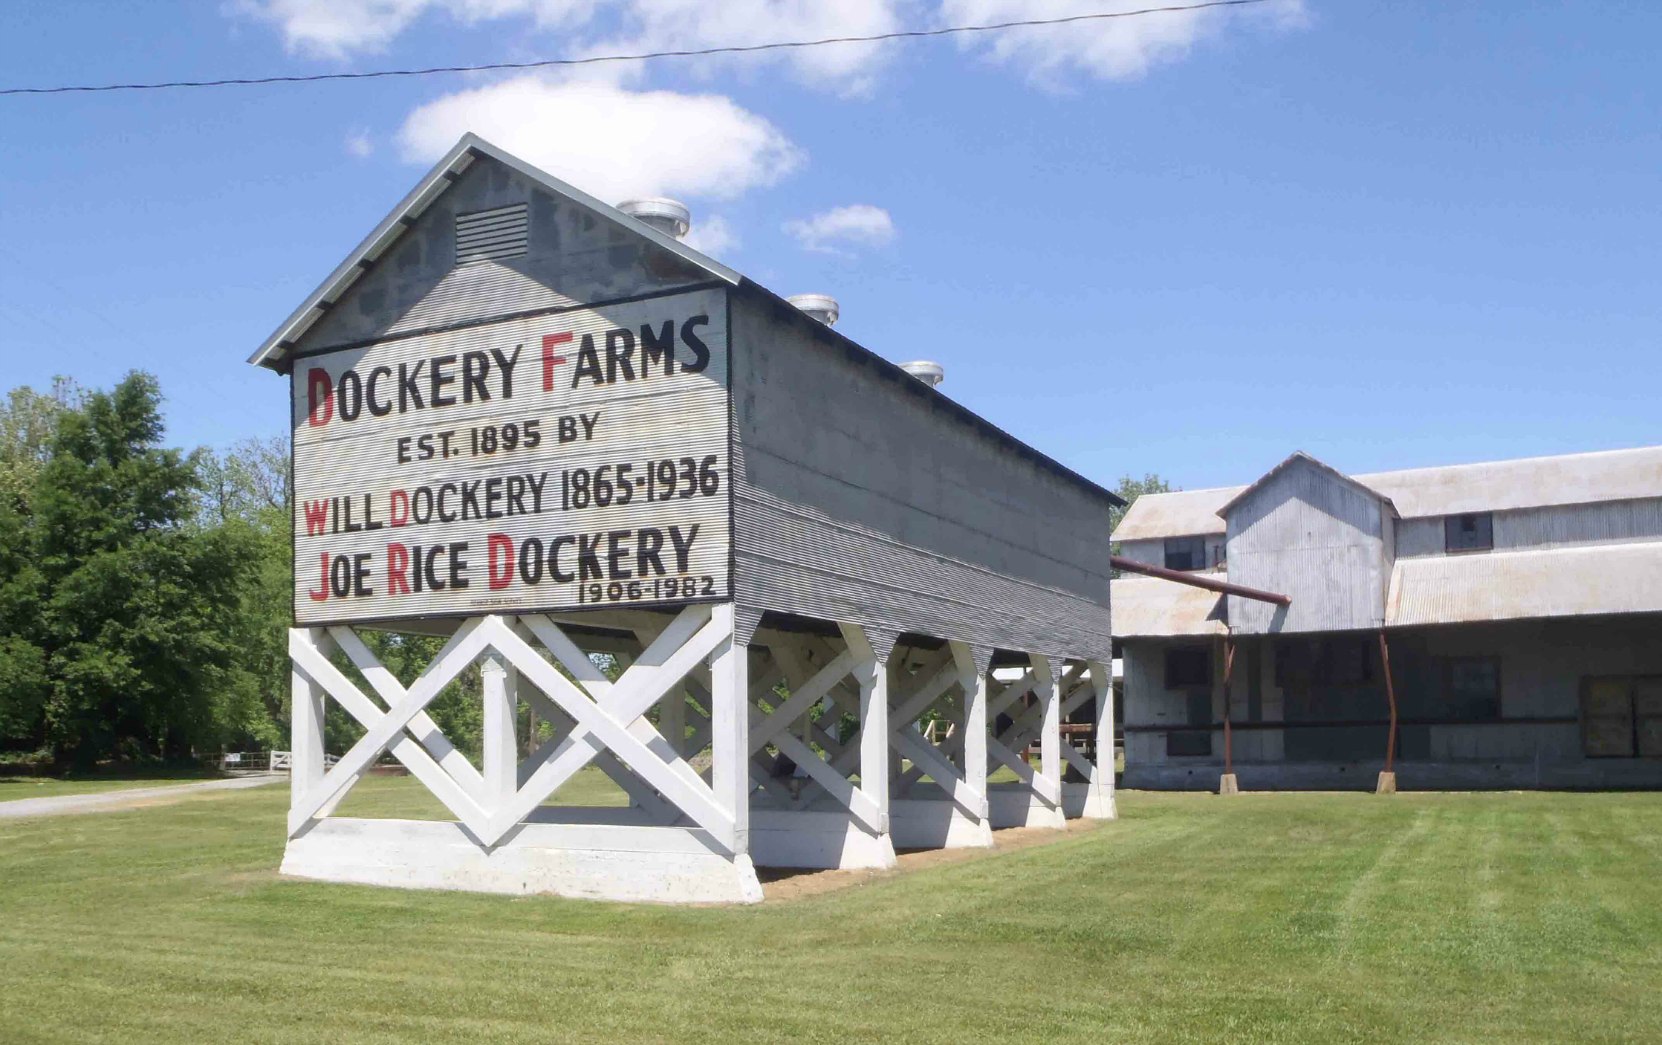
point(264, 761)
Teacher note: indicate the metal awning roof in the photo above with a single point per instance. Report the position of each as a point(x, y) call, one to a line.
point(1147, 607)
point(1558, 582)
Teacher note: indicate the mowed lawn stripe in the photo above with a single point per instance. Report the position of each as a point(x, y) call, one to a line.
point(1268, 917)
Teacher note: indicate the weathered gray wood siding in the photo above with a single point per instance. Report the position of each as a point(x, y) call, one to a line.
point(861, 498)
point(573, 257)
point(1309, 535)
point(1558, 526)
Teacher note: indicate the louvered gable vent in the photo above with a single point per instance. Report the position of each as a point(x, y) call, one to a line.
point(500, 232)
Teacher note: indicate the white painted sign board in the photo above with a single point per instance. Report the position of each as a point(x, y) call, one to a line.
point(571, 460)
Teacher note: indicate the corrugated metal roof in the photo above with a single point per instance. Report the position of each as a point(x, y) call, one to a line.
point(1186, 513)
point(1530, 482)
point(1147, 607)
point(1558, 582)
point(1494, 486)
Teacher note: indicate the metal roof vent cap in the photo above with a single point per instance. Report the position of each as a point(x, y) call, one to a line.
point(822, 307)
point(671, 217)
point(928, 371)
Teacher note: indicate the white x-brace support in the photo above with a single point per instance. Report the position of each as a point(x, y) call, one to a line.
point(607, 723)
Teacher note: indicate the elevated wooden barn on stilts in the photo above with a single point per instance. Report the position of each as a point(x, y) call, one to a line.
point(545, 428)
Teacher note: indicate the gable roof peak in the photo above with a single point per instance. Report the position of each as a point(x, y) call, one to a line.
point(434, 184)
point(1299, 457)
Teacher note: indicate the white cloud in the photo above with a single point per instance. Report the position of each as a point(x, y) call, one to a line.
point(1109, 49)
point(339, 28)
point(358, 145)
point(858, 224)
point(712, 235)
point(609, 141)
point(653, 25)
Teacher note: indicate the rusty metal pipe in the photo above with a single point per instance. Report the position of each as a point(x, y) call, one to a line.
point(1120, 562)
point(1228, 673)
point(1391, 697)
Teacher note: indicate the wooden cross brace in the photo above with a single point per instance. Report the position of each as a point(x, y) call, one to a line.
point(605, 723)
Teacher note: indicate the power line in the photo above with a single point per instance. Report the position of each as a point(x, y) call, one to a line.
point(909, 34)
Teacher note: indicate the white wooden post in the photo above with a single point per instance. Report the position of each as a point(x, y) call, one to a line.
point(974, 682)
point(501, 754)
point(1102, 787)
point(872, 670)
point(1050, 733)
point(306, 724)
point(730, 729)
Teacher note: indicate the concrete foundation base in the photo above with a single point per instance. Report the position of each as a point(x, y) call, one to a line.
point(1014, 805)
point(1387, 784)
point(583, 856)
point(1228, 785)
point(816, 839)
point(1088, 801)
point(923, 823)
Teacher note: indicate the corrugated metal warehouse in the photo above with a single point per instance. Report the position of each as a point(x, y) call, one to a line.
point(1509, 615)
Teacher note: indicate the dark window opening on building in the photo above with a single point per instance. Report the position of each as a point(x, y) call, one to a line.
point(1346, 661)
point(1188, 743)
point(1188, 666)
point(1469, 533)
point(1185, 553)
point(1471, 688)
point(1621, 716)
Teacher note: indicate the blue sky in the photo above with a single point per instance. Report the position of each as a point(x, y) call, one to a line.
point(1388, 234)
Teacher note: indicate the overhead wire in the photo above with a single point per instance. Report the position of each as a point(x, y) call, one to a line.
point(784, 45)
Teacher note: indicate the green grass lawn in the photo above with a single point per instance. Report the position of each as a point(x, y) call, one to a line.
point(405, 798)
point(1322, 918)
point(13, 788)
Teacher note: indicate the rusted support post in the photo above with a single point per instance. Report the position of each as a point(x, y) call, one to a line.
point(1228, 785)
point(1388, 777)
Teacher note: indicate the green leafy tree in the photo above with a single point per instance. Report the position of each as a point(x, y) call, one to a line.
point(245, 501)
point(132, 619)
point(1130, 489)
point(23, 680)
point(28, 421)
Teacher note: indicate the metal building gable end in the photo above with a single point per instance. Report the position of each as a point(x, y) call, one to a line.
point(275, 351)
